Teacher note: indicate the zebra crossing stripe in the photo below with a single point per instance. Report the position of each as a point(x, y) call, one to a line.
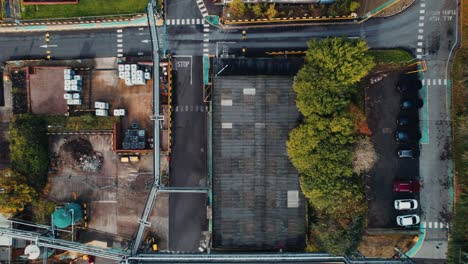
point(206, 50)
point(119, 30)
point(445, 81)
point(206, 25)
point(168, 21)
point(119, 45)
point(435, 224)
point(430, 224)
point(193, 21)
point(206, 30)
point(206, 44)
point(198, 21)
point(177, 21)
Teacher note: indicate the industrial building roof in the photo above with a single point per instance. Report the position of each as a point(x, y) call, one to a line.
point(257, 199)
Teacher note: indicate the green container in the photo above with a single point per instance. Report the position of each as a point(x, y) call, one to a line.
point(62, 217)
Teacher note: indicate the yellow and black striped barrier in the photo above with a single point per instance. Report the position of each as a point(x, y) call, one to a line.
point(287, 19)
point(286, 52)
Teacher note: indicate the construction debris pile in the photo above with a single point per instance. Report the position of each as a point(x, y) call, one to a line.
point(84, 156)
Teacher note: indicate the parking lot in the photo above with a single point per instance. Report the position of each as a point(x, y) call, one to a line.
point(383, 102)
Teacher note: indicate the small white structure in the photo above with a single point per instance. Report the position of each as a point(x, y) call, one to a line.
point(67, 96)
point(101, 105)
point(76, 96)
point(147, 75)
point(32, 252)
point(119, 112)
point(102, 112)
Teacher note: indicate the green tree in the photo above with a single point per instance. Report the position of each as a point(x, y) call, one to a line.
point(28, 148)
point(14, 192)
point(238, 9)
point(257, 10)
point(353, 6)
point(336, 63)
point(271, 11)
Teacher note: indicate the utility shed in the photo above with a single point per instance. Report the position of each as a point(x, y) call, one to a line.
point(257, 199)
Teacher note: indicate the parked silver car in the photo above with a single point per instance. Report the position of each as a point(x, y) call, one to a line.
point(406, 204)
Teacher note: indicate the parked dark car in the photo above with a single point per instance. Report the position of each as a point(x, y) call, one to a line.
point(407, 136)
point(407, 104)
point(406, 186)
point(409, 86)
point(403, 120)
point(406, 152)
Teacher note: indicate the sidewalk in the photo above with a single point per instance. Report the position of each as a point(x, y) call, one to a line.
point(140, 21)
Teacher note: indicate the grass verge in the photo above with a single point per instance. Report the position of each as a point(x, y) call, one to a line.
point(392, 56)
point(458, 242)
point(84, 8)
point(76, 123)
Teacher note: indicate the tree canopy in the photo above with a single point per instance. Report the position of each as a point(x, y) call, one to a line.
point(28, 148)
point(14, 192)
point(322, 147)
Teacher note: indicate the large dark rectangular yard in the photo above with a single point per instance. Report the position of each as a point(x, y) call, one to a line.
point(257, 202)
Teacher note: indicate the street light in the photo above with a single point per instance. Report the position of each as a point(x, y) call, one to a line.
point(73, 223)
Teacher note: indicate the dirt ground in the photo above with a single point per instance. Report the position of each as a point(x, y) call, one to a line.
point(116, 195)
point(368, 5)
point(46, 90)
point(382, 245)
point(136, 100)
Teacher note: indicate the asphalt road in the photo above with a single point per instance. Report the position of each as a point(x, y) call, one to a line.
point(437, 28)
point(189, 168)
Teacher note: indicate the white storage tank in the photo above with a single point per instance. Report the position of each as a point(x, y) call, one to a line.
point(121, 67)
point(127, 67)
point(121, 75)
point(67, 96)
point(134, 67)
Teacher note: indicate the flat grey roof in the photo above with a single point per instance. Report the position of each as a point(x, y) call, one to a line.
point(252, 174)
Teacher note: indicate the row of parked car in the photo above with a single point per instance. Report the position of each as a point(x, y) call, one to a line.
point(407, 135)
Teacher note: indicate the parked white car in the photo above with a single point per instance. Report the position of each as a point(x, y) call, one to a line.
point(406, 204)
point(407, 220)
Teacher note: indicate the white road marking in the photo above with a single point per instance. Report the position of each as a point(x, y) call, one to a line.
point(421, 24)
point(119, 31)
point(119, 50)
point(420, 43)
point(177, 21)
point(421, 17)
point(206, 25)
point(420, 30)
point(198, 21)
point(140, 28)
point(206, 50)
point(119, 35)
point(435, 224)
point(119, 55)
point(206, 44)
point(430, 224)
point(119, 40)
point(206, 40)
point(445, 81)
point(182, 21)
point(424, 224)
point(423, 81)
point(422, 11)
point(193, 20)
point(205, 35)
point(418, 56)
point(206, 30)
point(440, 81)
point(419, 50)
point(423, 5)
point(168, 21)
point(119, 45)
point(420, 37)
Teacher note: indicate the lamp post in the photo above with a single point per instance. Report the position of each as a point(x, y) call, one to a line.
point(73, 223)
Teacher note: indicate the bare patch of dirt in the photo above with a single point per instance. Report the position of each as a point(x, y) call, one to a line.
point(383, 245)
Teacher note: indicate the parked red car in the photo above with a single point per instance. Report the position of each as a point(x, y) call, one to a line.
point(406, 186)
